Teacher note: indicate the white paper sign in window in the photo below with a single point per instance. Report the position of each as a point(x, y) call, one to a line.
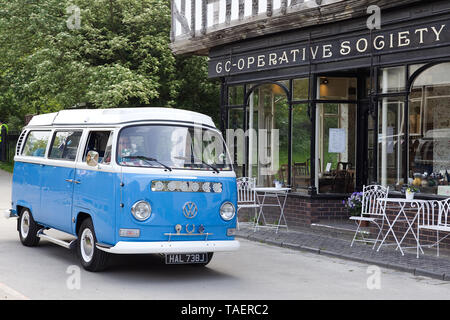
point(337, 141)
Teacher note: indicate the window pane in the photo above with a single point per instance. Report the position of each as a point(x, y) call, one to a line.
point(236, 95)
point(65, 145)
point(336, 142)
point(392, 79)
point(391, 134)
point(191, 148)
point(236, 139)
point(98, 141)
point(331, 88)
point(429, 127)
point(301, 89)
point(301, 148)
point(36, 143)
point(269, 123)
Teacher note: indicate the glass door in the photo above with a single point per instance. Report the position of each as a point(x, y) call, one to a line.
point(336, 135)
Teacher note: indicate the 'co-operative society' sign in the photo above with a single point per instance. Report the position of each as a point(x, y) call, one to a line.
point(304, 53)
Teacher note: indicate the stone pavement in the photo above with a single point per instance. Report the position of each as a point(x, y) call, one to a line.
point(306, 239)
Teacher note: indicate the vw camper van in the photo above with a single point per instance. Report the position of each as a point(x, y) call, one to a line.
point(126, 181)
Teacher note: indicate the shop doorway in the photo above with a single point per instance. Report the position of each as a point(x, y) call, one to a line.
point(337, 134)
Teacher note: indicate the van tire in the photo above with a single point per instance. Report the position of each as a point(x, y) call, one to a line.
point(28, 228)
point(91, 258)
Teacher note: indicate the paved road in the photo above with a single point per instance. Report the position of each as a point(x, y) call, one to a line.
point(256, 271)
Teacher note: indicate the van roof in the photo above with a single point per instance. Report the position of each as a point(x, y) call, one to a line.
point(118, 116)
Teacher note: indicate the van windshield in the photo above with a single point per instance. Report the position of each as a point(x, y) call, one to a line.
point(172, 147)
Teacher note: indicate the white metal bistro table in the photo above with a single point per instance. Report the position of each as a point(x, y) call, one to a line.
point(271, 192)
point(402, 205)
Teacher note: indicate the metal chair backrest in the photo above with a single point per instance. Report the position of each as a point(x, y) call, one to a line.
point(246, 192)
point(370, 205)
point(444, 211)
point(430, 215)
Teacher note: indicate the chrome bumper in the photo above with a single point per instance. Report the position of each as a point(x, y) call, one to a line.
point(135, 247)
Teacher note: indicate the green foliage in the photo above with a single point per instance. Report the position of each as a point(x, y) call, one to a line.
point(119, 57)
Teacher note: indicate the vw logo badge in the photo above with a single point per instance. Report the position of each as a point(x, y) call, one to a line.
point(190, 210)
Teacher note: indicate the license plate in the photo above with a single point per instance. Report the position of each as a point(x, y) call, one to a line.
point(186, 258)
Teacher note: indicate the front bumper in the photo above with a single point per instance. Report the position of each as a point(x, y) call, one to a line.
point(135, 247)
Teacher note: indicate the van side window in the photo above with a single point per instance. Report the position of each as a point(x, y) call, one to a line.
point(65, 145)
point(100, 141)
point(36, 144)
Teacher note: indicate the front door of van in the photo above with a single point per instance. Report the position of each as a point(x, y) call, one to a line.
point(94, 186)
point(57, 180)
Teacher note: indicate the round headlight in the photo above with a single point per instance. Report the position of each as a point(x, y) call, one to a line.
point(227, 211)
point(141, 210)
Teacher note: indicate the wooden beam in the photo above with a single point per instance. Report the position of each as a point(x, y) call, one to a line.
point(204, 16)
point(269, 11)
point(228, 11)
point(255, 4)
point(192, 18)
point(258, 26)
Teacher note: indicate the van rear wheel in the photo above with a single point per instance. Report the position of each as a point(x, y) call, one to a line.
point(28, 229)
point(92, 259)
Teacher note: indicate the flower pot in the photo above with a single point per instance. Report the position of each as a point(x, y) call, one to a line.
point(409, 195)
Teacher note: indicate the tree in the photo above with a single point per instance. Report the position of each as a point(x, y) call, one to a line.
point(117, 55)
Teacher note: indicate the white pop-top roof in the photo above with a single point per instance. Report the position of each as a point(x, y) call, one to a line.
point(118, 116)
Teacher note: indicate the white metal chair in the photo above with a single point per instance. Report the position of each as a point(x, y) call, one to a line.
point(371, 211)
point(434, 217)
point(247, 197)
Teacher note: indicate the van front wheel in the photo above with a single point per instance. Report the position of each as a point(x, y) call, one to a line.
point(92, 259)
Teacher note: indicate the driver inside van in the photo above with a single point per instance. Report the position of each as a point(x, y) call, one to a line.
point(125, 149)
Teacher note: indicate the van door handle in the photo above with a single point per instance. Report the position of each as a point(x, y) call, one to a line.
point(73, 181)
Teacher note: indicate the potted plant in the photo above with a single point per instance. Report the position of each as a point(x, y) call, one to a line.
point(354, 204)
point(410, 191)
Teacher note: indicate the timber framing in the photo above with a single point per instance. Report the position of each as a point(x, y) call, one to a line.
point(287, 20)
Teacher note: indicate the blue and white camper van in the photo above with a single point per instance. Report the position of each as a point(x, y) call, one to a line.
point(126, 181)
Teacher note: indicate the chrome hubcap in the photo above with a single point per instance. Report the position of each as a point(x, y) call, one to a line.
point(25, 224)
point(87, 245)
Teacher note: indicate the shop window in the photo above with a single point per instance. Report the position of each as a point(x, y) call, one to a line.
point(331, 88)
point(391, 142)
point(301, 89)
point(429, 131)
point(236, 95)
point(392, 79)
point(268, 135)
point(413, 68)
point(236, 139)
point(301, 148)
point(336, 136)
point(336, 147)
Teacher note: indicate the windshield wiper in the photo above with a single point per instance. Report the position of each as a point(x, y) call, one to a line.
point(148, 159)
point(203, 162)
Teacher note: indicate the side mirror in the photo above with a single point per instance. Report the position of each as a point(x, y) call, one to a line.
point(92, 158)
